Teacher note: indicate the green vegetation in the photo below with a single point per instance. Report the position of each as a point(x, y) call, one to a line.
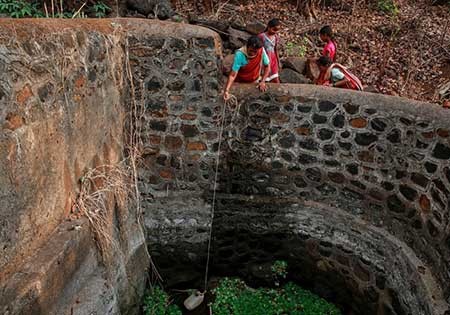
point(388, 6)
point(156, 302)
point(233, 297)
point(24, 9)
point(297, 49)
point(100, 9)
point(20, 9)
point(279, 271)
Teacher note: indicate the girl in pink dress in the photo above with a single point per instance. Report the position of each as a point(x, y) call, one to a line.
point(271, 40)
point(326, 35)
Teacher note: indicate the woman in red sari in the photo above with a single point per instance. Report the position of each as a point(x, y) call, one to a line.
point(336, 75)
point(249, 61)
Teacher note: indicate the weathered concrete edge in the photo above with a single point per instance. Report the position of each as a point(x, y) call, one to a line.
point(44, 27)
point(386, 103)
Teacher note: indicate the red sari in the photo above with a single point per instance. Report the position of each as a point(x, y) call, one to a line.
point(353, 83)
point(252, 70)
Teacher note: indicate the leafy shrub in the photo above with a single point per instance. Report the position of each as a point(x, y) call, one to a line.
point(100, 9)
point(233, 297)
point(156, 302)
point(279, 271)
point(20, 8)
point(297, 49)
point(388, 6)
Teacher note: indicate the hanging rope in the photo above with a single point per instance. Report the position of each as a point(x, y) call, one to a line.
point(232, 102)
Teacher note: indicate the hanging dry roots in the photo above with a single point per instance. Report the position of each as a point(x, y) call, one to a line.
point(102, 190)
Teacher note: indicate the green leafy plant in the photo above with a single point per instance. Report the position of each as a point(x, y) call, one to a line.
point(100, 9)
point(20, 9)
point(297, 49)
point(234, 297)
point(156, 302)
point(388, 6)
point(279, 271)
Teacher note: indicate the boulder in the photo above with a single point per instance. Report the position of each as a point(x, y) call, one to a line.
point(227, 63)
point(237, 38)
point(158, 8)
point(255, 28)
point(291, 76)
point(297, 64)
point(312, 70)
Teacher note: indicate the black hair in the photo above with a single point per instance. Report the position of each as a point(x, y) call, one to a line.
point(254, 42)
point(326, 30)
point(273, 23)
point(324, 61)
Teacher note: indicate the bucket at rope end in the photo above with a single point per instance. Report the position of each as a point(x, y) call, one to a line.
point(194, 300)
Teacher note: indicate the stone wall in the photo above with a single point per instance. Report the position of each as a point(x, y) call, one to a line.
point(381, 160)
point(62, 97)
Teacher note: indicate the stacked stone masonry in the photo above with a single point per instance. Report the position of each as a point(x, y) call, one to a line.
point(346, 186)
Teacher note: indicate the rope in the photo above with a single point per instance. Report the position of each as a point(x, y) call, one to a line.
point(232, 101)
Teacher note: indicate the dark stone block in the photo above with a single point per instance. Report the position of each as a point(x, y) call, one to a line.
point(158, 125)
point(176, 85)
point(339, 121)
point(345, 134)
point(394, 136)
point(189, 131)
point(336, 177)
point(326, 190)
point(420, 179)
point(378, 124)
point(304, 108)
point(430, 167)
point(405, 121)
point(206, 111)
point(370, 111)
point(447, 173)
point(440, 185)
point(319, 119)
point(206, 42)
point(352, 195)
point(387, 186)
point(252, 134)
point(408, 192)
point(351, 109)
point(332, 163)
point(308, 144)
point(306, 158)
point(300, 182)
point(155, 105)
point(441, 151)
point(395, 205)
point(365, 139)
point(155, 84)
point(177, 44)
point(358, 184)
point(92, 75)
point(44, 91)
point(277, 165)
point(417, 224)
point(161, 160)
point(421, 145)
point(345, 145)
point(352, 169)
point(326, 106)
point(432, 229)
point(314, 174)
point(325, 134)
point(399, 174)
point(286, 156)
point(329, 149)
point(287, 141)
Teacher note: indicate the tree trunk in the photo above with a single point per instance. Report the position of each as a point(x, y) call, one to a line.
point(307, 8)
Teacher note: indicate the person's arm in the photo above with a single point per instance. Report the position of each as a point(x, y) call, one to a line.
point(262, 85)
point(341, 83)
point(237, 63)
point(231, 78)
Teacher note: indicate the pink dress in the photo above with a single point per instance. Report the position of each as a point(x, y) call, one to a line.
point(270, 45)
point(330, 50)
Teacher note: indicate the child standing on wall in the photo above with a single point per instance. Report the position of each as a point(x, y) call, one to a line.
point(271, 40)
point(326, 35)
